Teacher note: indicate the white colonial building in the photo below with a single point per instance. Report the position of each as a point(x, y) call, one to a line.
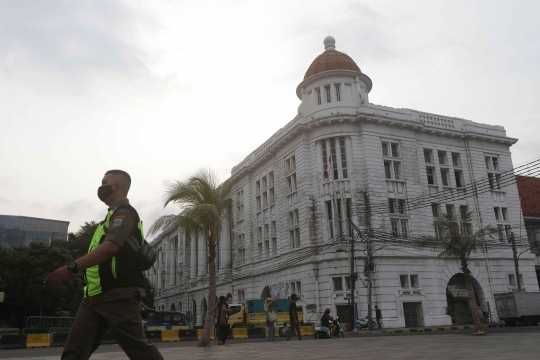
point(291, 197)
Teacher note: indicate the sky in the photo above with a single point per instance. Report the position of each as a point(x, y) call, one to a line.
point(161, 89)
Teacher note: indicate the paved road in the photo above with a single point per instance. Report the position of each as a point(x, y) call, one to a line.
point(503, 343)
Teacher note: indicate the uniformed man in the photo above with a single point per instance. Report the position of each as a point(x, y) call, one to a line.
point(114, 281)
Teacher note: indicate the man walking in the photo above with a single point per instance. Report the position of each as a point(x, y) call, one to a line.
point(293, 317)
point(114, 280)
point(378, 316)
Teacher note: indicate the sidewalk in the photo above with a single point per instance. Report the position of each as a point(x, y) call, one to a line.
point(499, 346)
point(423, 329)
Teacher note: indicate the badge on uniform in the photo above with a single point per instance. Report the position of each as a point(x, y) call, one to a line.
point(117, 222)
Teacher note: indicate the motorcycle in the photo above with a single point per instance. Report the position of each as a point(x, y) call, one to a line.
point(362, 324)
point(323, 332)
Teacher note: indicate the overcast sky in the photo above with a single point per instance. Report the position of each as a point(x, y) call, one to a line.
point(162, 88)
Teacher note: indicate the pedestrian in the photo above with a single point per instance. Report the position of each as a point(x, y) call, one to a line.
point(271, 318)
point(223, 315)
point(114, 280)
point(378, 316)
point(293, 317)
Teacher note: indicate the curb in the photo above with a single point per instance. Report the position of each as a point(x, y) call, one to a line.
point(425, 329)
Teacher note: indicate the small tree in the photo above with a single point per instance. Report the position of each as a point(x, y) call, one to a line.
point(311, 309)
point(455, 239)
point(203, 202)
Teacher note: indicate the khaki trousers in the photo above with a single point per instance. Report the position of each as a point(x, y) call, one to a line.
point(122, 317)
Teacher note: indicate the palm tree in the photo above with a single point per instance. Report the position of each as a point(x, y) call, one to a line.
point(455, 239)
point(204, 202)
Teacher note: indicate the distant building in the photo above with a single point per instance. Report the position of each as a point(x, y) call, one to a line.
point(22, 230)
point(292, 195)
point(529, 193)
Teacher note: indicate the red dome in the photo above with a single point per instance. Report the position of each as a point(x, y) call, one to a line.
point(331, 60)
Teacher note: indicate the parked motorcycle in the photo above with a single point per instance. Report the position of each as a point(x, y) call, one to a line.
point(323, 332)
point(362, 324)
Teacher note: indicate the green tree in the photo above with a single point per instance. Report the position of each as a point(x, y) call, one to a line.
point(23, 269)
point(79, 242)
point(204, 202)
point(456, 240)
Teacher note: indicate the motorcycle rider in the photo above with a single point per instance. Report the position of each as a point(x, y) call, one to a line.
point(325, 320)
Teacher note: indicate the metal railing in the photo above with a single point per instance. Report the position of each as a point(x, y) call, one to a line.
point(48, 324)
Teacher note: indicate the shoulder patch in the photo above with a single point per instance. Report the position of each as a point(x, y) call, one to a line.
point(117, 222)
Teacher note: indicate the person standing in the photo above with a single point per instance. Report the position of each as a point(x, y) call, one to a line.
point(223, 314)
point(271, 318)
point(293, 317)
point(378, 316)
point(114, 279)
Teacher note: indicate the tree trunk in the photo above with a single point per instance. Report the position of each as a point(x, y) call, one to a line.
point(472, 303)
point(209, 320)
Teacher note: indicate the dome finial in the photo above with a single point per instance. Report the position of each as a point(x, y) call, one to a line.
point(329, 43)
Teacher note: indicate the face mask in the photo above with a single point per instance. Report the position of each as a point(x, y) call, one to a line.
point(104, 192)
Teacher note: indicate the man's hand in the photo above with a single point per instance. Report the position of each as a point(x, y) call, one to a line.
point(55, 278)
point(142, 306)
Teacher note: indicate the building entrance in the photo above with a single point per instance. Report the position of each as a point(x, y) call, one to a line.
point(413, 314)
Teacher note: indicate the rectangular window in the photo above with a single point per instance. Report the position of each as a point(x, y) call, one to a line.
point(498, 181)
point(265, 200)
point(241, 296)
point(259, 233)
point(404, 229)
point(404, 281)
point(442, 157)
point(489, 166)
point(338, 283)
point(428, 156)
point(258, 187)
point(330, 218)
point(430, 176)
point(343, 159)
point(327, 90)
point(318, 95)
point(347, 283)
point(395, 151)
point(438, 231)
point(266, 248)
point(260, 250)
point(290, 164)
point(395, 228)
point(459, 178)
point(491, 179)
point(435, 210)
point(271, 179)
point(497, 213)
point(291, 181)
point(495, 162)
point(532, 234)
point(334, 159)
point(385, 149)
point(274, 247)
point(271, 196)
point(338, 92)
point(512, 279)
point(296, 287)
point(241, 256)
point(444, 177)
point(500, 229)
point(294, 236)
point(508, 230)
point(504, 214)
point(463, 209)
point(263, 183)
point(397, 171)
point(414, 282)
point(450, 209)
point(456, 161)
point(401, 206)
point(387, 171)
point(258, 203)
point(391, 205)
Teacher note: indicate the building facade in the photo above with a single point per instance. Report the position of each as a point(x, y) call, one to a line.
point(342, 157)
point(22, 230)
point(529, 193)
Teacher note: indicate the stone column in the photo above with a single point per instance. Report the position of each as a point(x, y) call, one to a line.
point(193, 258)
point(201, 250)
point(226, 246)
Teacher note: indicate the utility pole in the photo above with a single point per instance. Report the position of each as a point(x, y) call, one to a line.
point(368, 275)
point(516, 264)
point(352, 277)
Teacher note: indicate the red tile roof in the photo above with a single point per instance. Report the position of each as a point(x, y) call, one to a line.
point(529, 192)
point(331, 60)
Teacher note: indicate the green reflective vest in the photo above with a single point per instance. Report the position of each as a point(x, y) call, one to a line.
point(121, 270)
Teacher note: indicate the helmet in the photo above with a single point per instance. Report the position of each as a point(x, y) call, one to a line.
point(327, 310)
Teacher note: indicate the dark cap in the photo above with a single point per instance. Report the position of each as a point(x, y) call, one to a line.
point(294, 296)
